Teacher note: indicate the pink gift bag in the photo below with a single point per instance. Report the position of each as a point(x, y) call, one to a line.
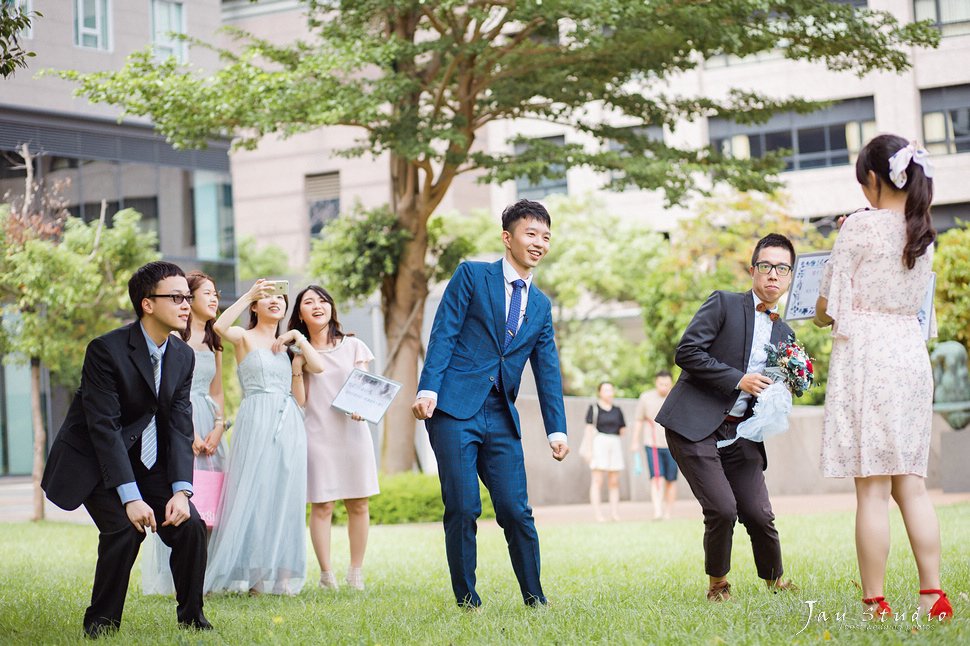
point(206, 494)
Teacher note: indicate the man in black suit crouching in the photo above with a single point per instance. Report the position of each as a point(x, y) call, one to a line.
point(125, 449)
point(722, 354)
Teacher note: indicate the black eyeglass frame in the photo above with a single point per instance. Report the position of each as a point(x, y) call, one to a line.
point(778, 268)
point(176, 298)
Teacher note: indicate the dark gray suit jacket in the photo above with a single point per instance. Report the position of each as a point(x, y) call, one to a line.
point(713, 353)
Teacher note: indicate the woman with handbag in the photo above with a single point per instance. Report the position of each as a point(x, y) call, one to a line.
point(604, 428)
point(209, 445)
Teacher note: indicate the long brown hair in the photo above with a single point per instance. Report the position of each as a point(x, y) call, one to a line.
point(195, 279)
point(874, 157)
point(334, 331)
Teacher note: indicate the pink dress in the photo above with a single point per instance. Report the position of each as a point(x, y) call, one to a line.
point(340, 451)
point(879, 397)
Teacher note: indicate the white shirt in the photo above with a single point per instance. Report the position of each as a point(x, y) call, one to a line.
point(758, 357)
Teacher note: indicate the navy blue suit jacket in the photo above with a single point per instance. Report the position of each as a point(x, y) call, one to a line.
point(466, 352)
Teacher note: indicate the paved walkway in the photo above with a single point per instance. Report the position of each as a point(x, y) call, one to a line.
point(16, 505)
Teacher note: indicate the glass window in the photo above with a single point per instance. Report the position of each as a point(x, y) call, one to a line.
point(323, 199)
point(829, 137)
point(952, 17)
point(526, 190)
point(946, 119)
point(92, 24)
point(168, 20)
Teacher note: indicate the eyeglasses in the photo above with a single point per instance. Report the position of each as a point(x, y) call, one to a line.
point(766, 267)
point(176, 298)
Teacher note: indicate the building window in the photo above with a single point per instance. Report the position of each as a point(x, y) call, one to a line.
point(830, 137)
point(92, 24)
point(946, 119)
point(952, 17)
point(526, 190)
point(323, 200)
point(168, 20)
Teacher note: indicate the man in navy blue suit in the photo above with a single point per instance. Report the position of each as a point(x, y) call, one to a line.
point(490, 321)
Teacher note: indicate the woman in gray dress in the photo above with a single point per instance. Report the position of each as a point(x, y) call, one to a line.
point(259, 544)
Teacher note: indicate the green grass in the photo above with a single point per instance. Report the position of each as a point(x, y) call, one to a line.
point(611, 584)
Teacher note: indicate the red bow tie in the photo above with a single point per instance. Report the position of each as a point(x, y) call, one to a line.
point(772, 314)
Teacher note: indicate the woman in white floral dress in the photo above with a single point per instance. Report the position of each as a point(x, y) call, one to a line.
point(879, 398)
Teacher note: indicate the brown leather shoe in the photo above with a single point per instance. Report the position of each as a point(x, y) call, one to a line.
point(718, 592)
point(783, 586)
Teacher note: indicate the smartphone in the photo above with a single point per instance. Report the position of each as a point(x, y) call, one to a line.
point(278, 287)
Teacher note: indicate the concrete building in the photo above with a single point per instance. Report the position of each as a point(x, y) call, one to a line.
point(185, 196)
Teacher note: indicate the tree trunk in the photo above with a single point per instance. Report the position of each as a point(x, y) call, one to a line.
point(403, 301)
point(402, 298)
point(40, 437)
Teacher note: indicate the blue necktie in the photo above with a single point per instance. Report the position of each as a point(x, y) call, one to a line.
point(515, 309)
point(149, 437)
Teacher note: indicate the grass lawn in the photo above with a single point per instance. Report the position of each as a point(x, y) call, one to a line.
point(613, 583)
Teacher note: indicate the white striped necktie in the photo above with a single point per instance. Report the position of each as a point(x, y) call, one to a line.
point(149, 437)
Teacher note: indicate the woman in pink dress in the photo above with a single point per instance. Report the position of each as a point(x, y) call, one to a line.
point(879, 399)
point(340, 452)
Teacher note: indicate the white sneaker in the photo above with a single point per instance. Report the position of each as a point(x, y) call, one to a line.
point(328, 581)
point(355, 578)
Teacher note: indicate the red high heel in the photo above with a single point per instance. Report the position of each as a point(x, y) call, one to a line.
point(942, 608)
point(884, 609)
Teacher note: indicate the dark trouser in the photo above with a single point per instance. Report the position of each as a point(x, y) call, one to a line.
point(729, 484)
point(487, 447)
point(118, 545)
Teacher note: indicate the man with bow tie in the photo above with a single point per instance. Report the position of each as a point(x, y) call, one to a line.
point(722, 354)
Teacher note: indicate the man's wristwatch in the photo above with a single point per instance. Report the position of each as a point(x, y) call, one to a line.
point(188, 494)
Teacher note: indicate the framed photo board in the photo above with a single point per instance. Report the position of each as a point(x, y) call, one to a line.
point(366, 394)
point(805, 283)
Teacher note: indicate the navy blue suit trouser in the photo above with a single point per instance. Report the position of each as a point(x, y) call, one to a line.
point(487, 447)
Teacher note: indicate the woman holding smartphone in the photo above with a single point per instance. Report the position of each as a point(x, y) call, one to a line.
point(341, 463)
point(259, 544)
point(207, 410)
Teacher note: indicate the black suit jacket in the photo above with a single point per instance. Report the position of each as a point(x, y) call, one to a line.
point(112, 407)
point(713, 353)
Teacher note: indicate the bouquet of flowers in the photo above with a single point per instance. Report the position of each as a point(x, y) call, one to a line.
point(791, 369)
point(791, 365)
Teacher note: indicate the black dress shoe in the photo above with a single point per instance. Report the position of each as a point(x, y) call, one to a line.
point(94, 631)
point(201, 623)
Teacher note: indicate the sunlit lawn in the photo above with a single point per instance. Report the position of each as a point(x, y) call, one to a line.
point(614, 583)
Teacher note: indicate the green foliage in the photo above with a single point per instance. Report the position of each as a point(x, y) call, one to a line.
point(422, 78)
point(359, 250)
point(261, 262)
point(593, 269)
point(64, 292)
point(14, 21)
point(356, 252)
point(409, 498)
point(952, 265)
point(711, 252)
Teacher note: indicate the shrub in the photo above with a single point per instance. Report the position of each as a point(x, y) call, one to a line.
point(408, 498)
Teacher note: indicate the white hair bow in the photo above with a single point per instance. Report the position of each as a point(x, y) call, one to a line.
point(900, 161)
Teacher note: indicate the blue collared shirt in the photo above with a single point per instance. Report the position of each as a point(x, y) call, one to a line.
point(128, 491)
